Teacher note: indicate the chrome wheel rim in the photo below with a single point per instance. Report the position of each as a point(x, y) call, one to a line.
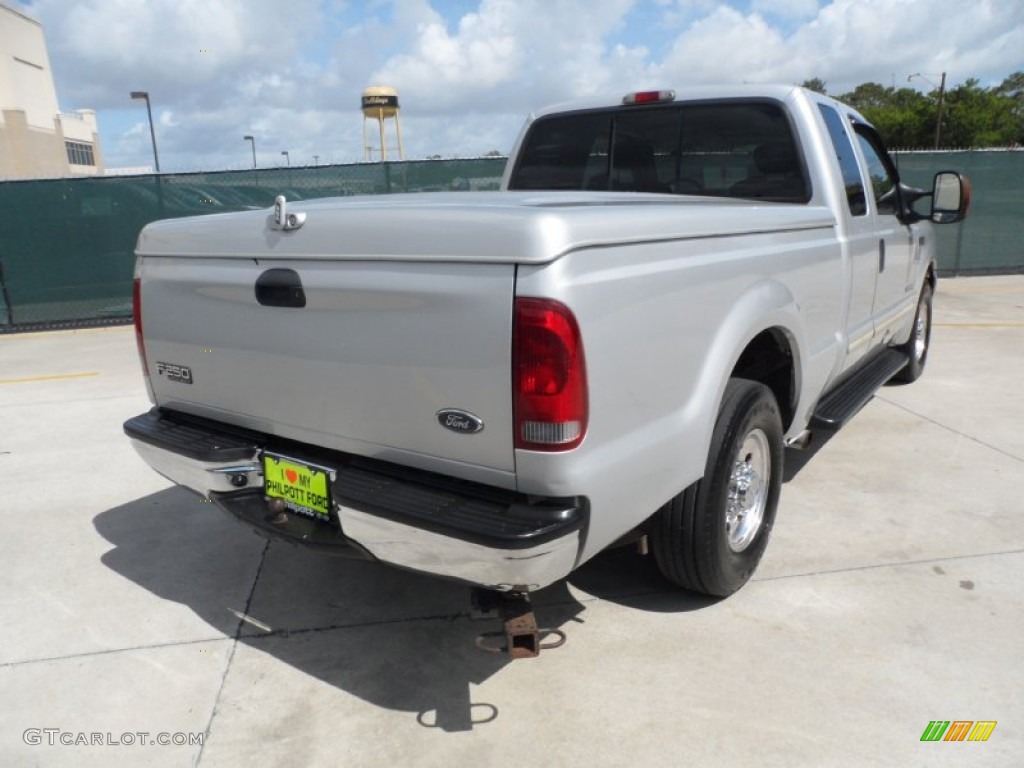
point(921, 331)
point(748, 490)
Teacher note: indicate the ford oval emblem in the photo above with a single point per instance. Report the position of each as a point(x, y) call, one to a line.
point(459, 421)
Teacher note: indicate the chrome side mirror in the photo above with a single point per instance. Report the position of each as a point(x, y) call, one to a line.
point(951, 197)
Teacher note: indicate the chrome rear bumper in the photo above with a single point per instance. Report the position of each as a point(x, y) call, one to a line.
point(403, 517)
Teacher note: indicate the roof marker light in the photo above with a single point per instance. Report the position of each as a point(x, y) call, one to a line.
point(648, 97)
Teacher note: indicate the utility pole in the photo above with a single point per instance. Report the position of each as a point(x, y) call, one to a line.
point(942, 101)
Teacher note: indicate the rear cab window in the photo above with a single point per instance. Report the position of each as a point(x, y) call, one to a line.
point(743, 149)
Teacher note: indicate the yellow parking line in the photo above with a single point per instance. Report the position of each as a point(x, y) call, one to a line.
point(979, 325)
point(979, 289)
point(16, 335)
point(51, 377)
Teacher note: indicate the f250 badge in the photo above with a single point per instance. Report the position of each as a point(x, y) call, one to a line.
point(180, 373)
point(460, 421)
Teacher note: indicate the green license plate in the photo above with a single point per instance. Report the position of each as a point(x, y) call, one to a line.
point(303, 488)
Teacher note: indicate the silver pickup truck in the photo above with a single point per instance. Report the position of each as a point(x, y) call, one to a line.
point(494, 387)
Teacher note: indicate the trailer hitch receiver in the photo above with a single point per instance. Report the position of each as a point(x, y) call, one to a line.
point(523, 639)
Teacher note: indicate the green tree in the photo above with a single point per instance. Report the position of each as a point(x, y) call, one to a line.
point(867, 96)
point(904, 118)
point(815, 84)
point(972, 117)
point(1012, 88)
point(978, 117)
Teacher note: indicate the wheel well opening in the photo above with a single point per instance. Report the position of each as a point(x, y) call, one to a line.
point(768, 358)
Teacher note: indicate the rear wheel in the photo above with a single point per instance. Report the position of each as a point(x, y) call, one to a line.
point(711, 537)
point(916, 348)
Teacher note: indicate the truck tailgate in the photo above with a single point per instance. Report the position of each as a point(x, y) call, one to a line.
point(378, 349)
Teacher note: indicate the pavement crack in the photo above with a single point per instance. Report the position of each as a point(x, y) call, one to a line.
point(284, 632)
point(900, 564)
point(231, 653)
point(948, 428)
point(109, 651)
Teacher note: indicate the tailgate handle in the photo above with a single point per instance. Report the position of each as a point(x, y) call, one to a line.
point(280, 288)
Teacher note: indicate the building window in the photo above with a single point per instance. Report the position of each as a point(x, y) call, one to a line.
point(79, 153)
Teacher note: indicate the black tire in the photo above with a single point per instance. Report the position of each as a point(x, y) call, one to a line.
point(693, 544)
point(916, 348)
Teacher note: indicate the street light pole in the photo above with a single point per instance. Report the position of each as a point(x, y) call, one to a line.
point(152, 133)
point(252, 140)
point(942, 101)
point(287, 156)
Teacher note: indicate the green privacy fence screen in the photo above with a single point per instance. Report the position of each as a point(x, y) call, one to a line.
point(991, 240)
point(66, 246)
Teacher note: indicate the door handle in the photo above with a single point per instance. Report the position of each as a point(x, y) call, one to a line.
point(280, 288)
point(881, 255)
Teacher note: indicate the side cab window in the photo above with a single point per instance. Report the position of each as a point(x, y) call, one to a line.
point(881, 171)
point(848, 165)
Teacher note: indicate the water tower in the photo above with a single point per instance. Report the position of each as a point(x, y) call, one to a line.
point(379, 103)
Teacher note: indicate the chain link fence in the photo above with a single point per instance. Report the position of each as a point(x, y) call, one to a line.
point(67, 245)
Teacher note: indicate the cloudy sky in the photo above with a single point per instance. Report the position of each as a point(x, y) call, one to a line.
point(290, 72)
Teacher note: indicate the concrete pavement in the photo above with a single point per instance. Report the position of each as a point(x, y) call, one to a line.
point(890, 596)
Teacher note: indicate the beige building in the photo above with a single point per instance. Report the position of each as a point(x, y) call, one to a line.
point(36, 139)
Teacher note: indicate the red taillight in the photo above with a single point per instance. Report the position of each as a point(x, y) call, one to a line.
point(549, 377)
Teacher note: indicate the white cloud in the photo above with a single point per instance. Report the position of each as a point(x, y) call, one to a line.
point(290, 73)
point(166, 119)
point(787, 9)
point(726, 46)
point(183, 49)
point(848, 42)
point(855, 41)
point(680, 13)
point(508, 52)
point(483, 53)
